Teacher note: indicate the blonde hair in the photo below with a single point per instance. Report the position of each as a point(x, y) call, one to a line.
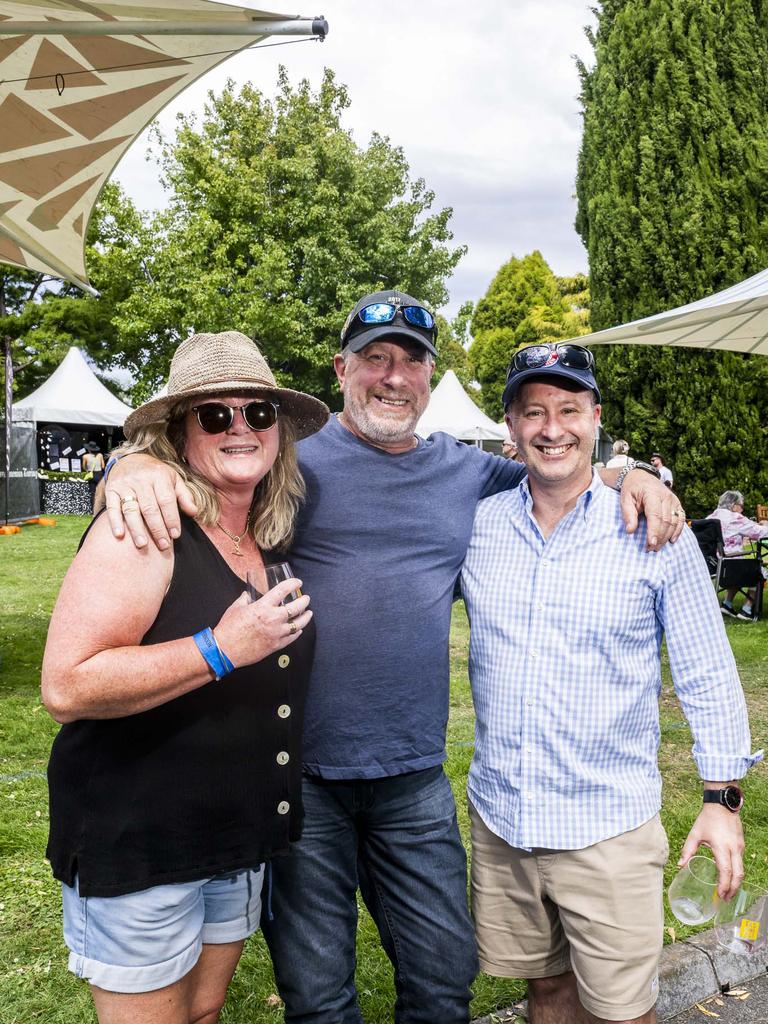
point(276, 497)
point(620, 447)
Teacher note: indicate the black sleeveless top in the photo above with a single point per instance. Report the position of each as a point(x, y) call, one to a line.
point(206, 783)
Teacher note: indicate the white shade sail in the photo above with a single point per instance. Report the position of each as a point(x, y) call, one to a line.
point(735, 319)
point(453, 412)
point(73, 394)
point(78, 82)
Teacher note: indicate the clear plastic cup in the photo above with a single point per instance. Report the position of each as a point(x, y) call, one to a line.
point(741, 923)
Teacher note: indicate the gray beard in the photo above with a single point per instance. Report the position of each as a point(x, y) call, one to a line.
point(379, 429)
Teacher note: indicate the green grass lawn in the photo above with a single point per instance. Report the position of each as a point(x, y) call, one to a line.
point(34, 983)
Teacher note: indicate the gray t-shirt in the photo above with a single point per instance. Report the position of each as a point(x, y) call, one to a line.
point(379, 544)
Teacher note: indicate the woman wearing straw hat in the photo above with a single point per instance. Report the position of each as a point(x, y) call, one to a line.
point(176, 773)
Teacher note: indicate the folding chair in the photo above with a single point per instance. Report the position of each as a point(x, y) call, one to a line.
point(709, 534)
point(740, 574)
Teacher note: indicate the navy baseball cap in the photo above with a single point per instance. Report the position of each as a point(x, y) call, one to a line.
point(556, 361)
point(389, 314)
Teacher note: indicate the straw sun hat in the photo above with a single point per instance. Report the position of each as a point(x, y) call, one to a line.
point(209, 364)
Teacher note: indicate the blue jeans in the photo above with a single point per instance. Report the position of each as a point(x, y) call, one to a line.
point(397, 839)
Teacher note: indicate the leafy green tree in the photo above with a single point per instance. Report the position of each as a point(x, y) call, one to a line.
point(277, 223)
point(673, 205)
point(525, 303)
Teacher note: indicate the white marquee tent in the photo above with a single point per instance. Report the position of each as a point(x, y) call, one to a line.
point(452, 411)
point(73, 394)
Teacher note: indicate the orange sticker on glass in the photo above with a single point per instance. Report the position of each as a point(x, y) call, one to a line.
point(749, 929)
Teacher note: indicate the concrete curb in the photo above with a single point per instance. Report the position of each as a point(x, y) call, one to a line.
point(690, 971)
point(698, 967)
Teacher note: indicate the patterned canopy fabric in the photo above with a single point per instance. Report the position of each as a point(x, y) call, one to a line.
point(78, 82)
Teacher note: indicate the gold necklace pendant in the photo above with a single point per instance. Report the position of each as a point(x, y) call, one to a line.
point(234, 538)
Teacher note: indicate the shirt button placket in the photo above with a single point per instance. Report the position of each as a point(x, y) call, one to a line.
point(542, 584)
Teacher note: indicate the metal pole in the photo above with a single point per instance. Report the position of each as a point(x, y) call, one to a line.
point(8, 405)
point(253, 27)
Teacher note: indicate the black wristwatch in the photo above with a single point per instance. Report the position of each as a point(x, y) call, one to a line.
point(729, 796)
point(645, 466)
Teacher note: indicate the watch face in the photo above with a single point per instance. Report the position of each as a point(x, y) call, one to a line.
point(733, 798)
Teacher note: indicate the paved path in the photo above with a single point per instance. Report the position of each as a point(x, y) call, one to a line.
point(730, 1009)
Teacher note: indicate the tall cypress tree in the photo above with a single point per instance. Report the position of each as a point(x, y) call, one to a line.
point(672, 192)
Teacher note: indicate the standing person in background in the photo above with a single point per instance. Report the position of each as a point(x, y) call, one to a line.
point(564, 786)
point(509, 450)
point(379, 543)
point(619, 455)
point(665, 473)
point(93, 463)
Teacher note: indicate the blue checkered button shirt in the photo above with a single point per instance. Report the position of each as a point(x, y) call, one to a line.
point(564, 660)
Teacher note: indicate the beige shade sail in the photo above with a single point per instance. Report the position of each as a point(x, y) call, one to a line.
point(78, 82)
point(735, 319)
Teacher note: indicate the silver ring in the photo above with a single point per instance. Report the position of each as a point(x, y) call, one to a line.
point(678, 512)
point(128, 499)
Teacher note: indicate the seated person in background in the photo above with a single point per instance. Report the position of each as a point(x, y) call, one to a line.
point(737, 529)
point(619, 455)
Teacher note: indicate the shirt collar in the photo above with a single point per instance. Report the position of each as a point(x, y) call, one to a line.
point(584, 502)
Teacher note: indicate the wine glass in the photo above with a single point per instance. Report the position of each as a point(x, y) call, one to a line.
point(275, 574)
point(692, 894)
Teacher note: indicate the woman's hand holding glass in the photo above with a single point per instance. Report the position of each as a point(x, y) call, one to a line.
point(249, 631)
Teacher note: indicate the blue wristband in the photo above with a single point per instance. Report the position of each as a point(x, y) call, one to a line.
point(215, 658)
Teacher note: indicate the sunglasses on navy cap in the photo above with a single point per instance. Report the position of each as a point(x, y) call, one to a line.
point(575, 357)
point(385, 313)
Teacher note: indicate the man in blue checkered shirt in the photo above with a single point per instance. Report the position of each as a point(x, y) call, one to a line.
point(567, 614)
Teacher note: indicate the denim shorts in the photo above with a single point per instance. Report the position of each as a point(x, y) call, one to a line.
point(145, 940)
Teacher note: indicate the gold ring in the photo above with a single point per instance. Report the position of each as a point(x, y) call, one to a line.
point(293, 628)
point(128, 498)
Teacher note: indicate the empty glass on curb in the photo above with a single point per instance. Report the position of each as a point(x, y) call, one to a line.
point(692, 893)
point(275, 574)
point(741, 923)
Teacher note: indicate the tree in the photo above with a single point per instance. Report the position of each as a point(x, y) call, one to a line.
point(278, 221)
point(673, 205)
point(524, 303)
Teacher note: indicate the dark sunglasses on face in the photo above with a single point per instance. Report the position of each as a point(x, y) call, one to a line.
point(216, 417)
point(535, 356)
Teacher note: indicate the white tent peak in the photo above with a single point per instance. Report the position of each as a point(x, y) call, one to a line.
point(453, 412)
point(73, 394)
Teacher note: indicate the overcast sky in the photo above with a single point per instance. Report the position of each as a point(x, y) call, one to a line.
point(481, 96)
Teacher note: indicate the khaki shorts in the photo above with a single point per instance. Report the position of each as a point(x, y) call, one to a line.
point(597, 912)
